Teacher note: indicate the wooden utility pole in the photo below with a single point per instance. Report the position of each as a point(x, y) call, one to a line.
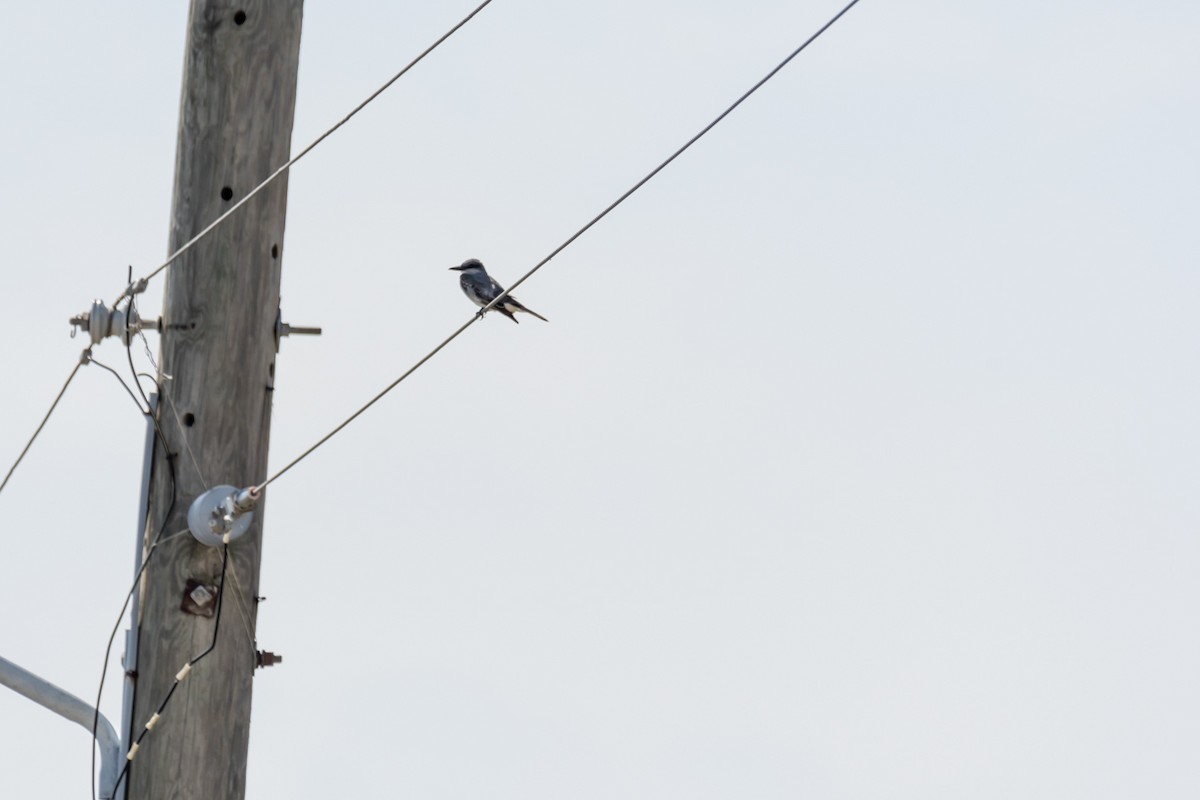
point(217, 373)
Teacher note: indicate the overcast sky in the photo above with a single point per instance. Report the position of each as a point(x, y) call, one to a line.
point(858, 458)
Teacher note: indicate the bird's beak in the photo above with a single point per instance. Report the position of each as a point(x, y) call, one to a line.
point(457, 268)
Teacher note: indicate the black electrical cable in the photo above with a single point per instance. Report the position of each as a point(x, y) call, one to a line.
point(117, 625)
point(183, 672)
point(130, 315)
point(161, 440)
point(124, 385)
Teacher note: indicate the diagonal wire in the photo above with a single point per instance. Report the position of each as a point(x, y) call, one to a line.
point(243, 612)
point(187, 446)
point(500, 297)
point(141, 284)
point(183, 437)
point(257, 489)
point(83, 359)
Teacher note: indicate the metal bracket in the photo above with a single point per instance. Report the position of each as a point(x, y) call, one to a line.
point(222, 514)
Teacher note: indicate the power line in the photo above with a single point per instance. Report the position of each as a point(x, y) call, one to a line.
point(499, 298)
point(133, 288)
point(674, 155)
point(371, 402)
point(130, 291)
point(84, 357)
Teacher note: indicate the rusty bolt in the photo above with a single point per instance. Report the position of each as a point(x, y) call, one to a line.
point(265, 658)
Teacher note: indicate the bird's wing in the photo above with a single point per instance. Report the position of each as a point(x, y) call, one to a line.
point(478, 287)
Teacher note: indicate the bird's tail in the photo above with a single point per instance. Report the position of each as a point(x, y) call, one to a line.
point(514, 305)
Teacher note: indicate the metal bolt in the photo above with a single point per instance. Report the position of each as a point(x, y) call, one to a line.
point(265, 658)
point(201, 596)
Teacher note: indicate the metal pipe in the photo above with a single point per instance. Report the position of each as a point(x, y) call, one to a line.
point(130, 660)
point(68, 705)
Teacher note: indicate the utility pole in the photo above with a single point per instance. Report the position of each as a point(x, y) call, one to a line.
point(219, 340)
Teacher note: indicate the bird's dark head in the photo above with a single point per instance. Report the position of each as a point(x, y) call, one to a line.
point(469, 264)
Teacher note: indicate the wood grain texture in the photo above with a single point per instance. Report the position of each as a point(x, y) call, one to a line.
point(220, 303)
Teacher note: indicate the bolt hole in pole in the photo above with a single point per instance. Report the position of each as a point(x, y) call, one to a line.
point(226, 193)
point(239, 17)
point(274, 251)
point(189, 419)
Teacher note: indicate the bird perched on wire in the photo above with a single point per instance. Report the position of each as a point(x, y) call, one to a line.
point(482, 289)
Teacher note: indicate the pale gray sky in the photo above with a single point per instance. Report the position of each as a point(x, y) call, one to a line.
point(858, 459)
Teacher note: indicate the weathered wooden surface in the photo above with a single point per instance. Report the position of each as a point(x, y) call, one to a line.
point(221, 298)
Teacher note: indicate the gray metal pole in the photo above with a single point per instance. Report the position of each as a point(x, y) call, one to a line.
point(68, 705)
point(129, 661)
